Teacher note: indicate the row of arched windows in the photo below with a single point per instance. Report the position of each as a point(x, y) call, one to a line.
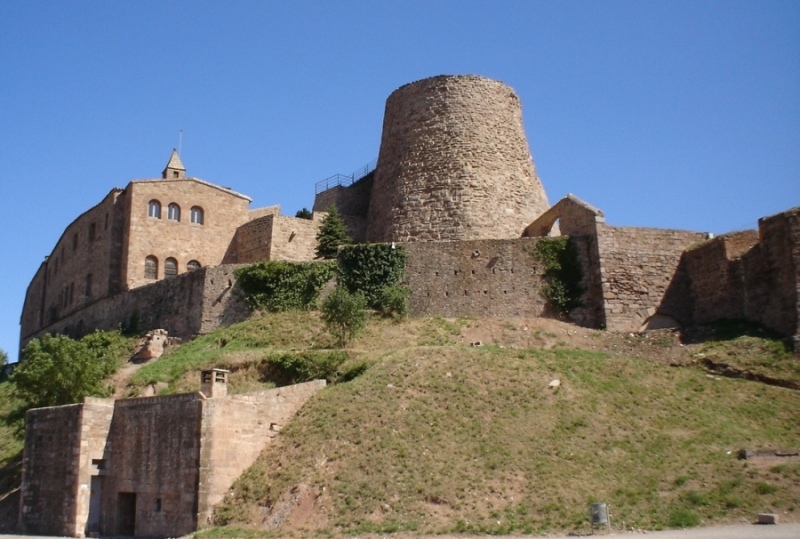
point(170, 267)
point(174, 212)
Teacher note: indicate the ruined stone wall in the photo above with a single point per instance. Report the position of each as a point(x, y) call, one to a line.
point(223, 212)
point(716, 277)
point(772, 272)
point(454, 164)
point(637, 266)
point(749, 275)
point(154, 455)
point(475, 278)
point(234, 432)
point(195, 302)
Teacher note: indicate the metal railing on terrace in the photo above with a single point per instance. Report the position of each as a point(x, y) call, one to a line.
point(344, 180)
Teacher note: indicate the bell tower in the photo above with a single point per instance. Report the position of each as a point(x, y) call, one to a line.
point(174, 169)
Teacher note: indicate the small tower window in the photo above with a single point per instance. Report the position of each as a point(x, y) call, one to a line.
point(197, 215)
point(170, 267)
point(193, 265)
point(174, 212)
point(92, 231)
point(154, 209)
point(151, 267)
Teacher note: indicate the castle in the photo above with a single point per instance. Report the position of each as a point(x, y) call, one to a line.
point(454, 184)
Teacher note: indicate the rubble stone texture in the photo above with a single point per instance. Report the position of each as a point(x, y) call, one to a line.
point(454, 164)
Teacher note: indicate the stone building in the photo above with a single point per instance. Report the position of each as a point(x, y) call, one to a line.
point(456, 184)
point(150, 466)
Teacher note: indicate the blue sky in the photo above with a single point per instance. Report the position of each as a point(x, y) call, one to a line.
point(667, 114)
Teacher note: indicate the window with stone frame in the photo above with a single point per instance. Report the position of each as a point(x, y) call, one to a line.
point(170, 267)
point(154, 209)
point(197, 215)
point(151, 267)
point(193, 265)
point(173, 212)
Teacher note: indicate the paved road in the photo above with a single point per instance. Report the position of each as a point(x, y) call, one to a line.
point(738, 531)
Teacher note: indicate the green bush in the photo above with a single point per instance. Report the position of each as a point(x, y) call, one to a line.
point(562, 273)
point(344, 314)
point(280, 286)
point(370, 269)
point(394, 301)
point(294, 368)
point(58, 370)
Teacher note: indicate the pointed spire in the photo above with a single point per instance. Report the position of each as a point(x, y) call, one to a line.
point(174, 169)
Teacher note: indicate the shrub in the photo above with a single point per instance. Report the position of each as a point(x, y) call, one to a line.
point(332, 235)
point(303, 214)
point(294, 368)
point(562, 273)
point(280, 286)
point(344, 314)
point(370, 269)
point(394, 301)
point(58, 370)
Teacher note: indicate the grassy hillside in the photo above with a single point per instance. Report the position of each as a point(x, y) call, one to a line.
point(439, 435)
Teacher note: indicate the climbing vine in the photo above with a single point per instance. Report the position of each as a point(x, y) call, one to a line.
point(375, 270)
point(280, 286)
point(563, 273)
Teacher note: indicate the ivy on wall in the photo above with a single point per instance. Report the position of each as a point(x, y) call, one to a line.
point(278, 286)
point(562, 275)
point(371, 268)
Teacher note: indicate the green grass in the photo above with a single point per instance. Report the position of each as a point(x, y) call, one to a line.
point(460, 439)
point(429, 435)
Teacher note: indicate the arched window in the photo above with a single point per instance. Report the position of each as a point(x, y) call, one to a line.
point(193, 265)
point(170, 267)
point(174, 212)
point(197, 215)
point(151, 267)
point(154, 209)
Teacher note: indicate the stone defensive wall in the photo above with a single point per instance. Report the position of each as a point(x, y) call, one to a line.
point(188, 304)
point(454, 164)
point(749, 275)
point(496, 278)
point(274, 237)
point(637, 266)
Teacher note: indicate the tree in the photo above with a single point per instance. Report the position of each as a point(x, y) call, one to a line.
point(303, 214)
point(3, 361)
point(344, 313)
point(58, 370)
point(332, 234)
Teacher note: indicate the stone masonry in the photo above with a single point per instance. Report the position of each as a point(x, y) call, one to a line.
point(151, 466)
point(454, 164)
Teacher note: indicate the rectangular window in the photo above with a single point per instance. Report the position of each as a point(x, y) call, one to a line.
point(74, 241)
point(89, 285)
point(92, 231)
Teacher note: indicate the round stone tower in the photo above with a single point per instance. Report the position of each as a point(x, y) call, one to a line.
point(454, 164)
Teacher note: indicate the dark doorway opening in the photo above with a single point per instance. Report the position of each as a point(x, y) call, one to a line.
point(126, 513)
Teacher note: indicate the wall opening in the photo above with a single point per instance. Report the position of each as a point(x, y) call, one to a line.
point(126, 513)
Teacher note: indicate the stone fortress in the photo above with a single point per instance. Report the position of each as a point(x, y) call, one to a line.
point(454, 184)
